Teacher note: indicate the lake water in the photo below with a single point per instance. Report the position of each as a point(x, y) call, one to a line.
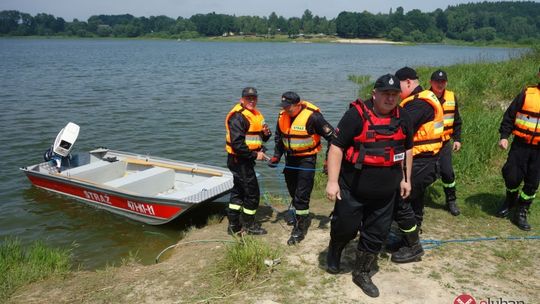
point(163, 98)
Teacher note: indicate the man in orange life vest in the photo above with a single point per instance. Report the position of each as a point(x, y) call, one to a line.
point(452, 130)
point(426, 115)
point(246, 132)
point(298, 135)
point(522, 118)
point(366, 175)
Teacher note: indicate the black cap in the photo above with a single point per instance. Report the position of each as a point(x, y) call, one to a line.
point(249, 91)
point(289, 98)
point(406, 73)
point(439, 75)
point(387, 82)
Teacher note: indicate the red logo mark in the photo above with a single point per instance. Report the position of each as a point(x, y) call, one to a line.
point(465, 299)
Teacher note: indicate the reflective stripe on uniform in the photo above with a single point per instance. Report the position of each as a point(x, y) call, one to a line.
point(450, 185)
point(249, 212)
point(234, 206)
point(302, 212)
point(527, 197)
point(512, 190)
point(409, 230)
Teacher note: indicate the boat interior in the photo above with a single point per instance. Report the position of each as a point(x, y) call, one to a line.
point(162, 180)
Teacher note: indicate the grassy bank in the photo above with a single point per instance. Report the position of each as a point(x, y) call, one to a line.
point(20, 266)
point(484, 91)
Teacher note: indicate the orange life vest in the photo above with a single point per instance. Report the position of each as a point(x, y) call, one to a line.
point(428, 138)
point(449, 109)
point(254, 134)
point(294, 135)
point(381, 142)
point(527, 122)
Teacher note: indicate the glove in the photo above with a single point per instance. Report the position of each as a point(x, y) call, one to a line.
point(325, 167)
point(273, 162)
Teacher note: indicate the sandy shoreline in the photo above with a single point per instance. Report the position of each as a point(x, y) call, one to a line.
point(366, 41)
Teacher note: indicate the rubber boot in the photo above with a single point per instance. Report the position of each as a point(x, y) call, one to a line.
point(234, 222)
point(509, 202)
point(520, 218)
point(394, 241)
point(361, 277)
point(413, 250)
point(299, 231)
point(333, 257)
point(290, 217)
point(450, 193)
point(251, 227)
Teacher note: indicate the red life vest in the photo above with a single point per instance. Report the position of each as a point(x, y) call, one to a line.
point(381, 142)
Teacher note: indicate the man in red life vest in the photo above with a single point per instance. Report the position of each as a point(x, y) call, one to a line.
point(246, 133)
point(452, 131)
point(522, 118)
point(369, 168)
point(298, 135)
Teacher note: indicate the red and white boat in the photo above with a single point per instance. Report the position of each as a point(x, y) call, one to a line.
point(148, 189)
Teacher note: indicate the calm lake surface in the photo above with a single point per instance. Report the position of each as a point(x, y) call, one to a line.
point(163, 98)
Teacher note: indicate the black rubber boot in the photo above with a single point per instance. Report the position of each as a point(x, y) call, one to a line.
point(251, 227)
point(394, 241)
point(333, 258)
point(234, 222)
point(520, 218)
point(299, 231)
point(509, 202)
point(413, 250)
point(361, 277)
point(451, 204)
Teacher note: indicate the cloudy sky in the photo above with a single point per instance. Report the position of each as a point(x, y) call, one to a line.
point(82, 9)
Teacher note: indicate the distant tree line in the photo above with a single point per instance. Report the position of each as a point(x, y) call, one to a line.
point(486, 21)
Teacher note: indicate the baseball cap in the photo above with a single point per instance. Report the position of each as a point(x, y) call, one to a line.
point(406, 73)
point(439, 75)
point(289, 98)
point(387, 82)
point(249, 91)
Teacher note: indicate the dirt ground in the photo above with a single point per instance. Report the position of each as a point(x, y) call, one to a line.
point(488, 271)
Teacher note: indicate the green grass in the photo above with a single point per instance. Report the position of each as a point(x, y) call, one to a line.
point(245, 259)
point(20, 266)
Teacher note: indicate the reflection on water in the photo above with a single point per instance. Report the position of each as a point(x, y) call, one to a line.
point(160, 98)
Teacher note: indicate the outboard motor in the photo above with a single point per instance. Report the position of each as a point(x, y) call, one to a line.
point(62, 145)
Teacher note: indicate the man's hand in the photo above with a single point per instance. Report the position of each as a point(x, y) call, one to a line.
point(266, 130)
point(457, 146)
point(333, 191)
point(261, 156)
point(405, 188)
point(273, 162)
point(503, 143)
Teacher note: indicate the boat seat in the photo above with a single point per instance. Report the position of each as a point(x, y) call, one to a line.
point(201, 191)
point(99, 171)
point(147, 182)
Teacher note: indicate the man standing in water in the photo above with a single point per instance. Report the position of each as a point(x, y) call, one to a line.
point(452, 131)
point(246, 132)
point(369, 168)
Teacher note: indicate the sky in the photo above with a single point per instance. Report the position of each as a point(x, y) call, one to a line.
point(83, 9)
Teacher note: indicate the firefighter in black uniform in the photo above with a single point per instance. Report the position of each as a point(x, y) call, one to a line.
point(366, 165)
point(426, 115)
point(452, 131)
point(246, 133)
point(522, 118)
point(298, 135)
